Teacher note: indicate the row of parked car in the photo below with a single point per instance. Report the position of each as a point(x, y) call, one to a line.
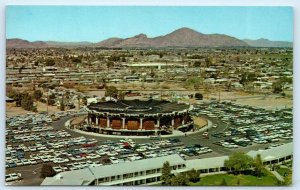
point(40, 143)
point(29, 118)
point(13, 177)
point(194, 150)
point(246, 125)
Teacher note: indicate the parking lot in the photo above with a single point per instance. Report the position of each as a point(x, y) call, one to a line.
point(32, 140)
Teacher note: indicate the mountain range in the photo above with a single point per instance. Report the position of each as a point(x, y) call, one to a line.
point(181, 38)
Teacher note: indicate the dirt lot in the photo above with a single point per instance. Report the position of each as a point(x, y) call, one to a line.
point(200, 122)
point(78, 120)
point(29, 173)
point(269, 102)
point(12, 110)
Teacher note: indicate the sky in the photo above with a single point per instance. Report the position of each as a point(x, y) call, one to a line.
point(94, 24)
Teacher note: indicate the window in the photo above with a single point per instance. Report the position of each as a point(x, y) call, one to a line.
point(100, 180)
point(113, 178)
point(204, 171)
point(136, 174)
point(150, 180)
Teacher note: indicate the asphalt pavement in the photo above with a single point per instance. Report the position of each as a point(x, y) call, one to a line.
point(190, 139)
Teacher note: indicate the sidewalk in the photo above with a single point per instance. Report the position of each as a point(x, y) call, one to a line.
point(276, 174)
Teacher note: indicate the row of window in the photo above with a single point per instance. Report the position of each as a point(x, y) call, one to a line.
point(136, 174)
point(158, 170)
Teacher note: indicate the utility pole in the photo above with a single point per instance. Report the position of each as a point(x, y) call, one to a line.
point(47, 101)
point(78, 102)
point(219, 93)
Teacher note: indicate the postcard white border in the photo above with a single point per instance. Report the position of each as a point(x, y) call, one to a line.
point(293, 3)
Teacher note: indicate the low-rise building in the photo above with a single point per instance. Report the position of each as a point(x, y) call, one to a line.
point(148, 171)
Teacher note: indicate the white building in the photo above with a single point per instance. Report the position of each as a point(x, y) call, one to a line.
point(148, 171)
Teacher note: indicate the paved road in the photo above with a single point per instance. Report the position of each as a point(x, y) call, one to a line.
point(186, 140)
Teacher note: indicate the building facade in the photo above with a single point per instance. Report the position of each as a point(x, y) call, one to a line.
point(135, 117)
point(148, 171)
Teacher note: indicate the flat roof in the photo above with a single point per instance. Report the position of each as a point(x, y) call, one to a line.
point(87, 175)
point(138, 106)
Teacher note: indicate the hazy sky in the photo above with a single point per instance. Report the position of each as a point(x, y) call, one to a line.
point(87, 23)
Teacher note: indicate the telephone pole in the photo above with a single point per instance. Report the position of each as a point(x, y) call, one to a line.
point(47, 101)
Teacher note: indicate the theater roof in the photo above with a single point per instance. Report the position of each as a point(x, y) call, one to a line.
point(138, 106)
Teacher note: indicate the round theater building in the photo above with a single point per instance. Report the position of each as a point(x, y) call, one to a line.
point(137, 117)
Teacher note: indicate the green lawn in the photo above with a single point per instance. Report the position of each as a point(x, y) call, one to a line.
point(288, 164)
point(232, 180)
point(282, 171)
point(286, 173)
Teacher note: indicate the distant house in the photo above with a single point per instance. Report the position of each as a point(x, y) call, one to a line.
point(92, 100)
point(9, 100)
point(49, 69)
point(131, 78)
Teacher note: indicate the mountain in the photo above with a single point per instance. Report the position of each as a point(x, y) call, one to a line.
point(110, 42)
point(67, 44)
point(19, 43)
point(262, 42)
point(183, 37)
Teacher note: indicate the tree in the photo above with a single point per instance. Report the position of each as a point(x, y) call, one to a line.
point(47, 171)
point(152, 73)
point(194, 82)
point(27, 102)
point(16, 96)
point(198, 96)
point(258, 165)
point(84, 100)
point(50, 62)
point(277, 87)
point(239, 162)
point(247, 77)
point(197, 64)
point(121, 95)
point(110, 64)
point(193, 175)
point(179, 180)
point(208, 61)
point(161, 55)
point(37, 94)
point(111, 91)
point(62, 104)
point(166, 175)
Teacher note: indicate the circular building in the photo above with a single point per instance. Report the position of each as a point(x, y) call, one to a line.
point(136, 117)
